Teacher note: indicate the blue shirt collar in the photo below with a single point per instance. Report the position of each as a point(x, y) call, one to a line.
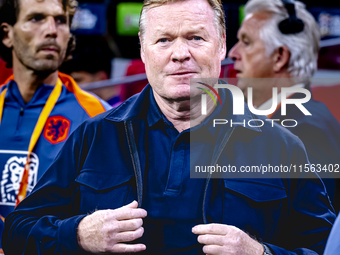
point(154, 113)
point(136, 108)
point(40, 96)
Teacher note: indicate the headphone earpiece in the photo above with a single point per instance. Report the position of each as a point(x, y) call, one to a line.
point(291, 25)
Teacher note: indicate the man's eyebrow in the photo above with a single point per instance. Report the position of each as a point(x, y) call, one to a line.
point(197, 29)
point(242, 35)
point(161, 32)
point(159, 29)
point(34, 13)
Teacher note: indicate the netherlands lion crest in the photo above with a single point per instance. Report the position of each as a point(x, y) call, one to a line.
point(12, 176)
point(57, 129)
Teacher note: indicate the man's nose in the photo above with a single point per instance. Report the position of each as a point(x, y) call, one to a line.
point(180, 52)
point(233, 53)
point(50, 28)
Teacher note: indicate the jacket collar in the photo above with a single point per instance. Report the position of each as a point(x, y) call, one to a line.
point(14, 97)
point(131, 108)
point(136, 108)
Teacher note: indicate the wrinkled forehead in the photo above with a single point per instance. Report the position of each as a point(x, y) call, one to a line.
point(186, 6)
point(180, 13)
point(25, 5)
point(255, 21)
point(199, 9)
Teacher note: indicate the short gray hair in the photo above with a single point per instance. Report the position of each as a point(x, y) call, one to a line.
point(216, 5)
point(303, 46)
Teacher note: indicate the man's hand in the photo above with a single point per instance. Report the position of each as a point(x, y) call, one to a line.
point(107, 231)
point(224, 239)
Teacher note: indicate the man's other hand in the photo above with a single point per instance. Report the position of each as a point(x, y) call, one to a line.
point(108, 231)
point(224, 239)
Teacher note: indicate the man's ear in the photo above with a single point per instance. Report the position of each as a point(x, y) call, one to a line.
point(7, 39)
point(281, 58)
point(223, 48)
point(101, 76)
point(141, 47)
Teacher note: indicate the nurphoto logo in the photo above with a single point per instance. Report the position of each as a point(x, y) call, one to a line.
point(239, 103)
point(238, 99)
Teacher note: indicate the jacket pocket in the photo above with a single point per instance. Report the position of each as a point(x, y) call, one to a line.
point(254, 206)
point(103, 190)
point(256, 190)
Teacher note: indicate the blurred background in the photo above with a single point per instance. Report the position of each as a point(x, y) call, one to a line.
point(107, 60)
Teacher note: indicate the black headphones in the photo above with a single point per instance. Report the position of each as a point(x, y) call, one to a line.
point(291, 25)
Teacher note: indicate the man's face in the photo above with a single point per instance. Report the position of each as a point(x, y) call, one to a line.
point(181, 42)
point(249, 53)
point(40, 36)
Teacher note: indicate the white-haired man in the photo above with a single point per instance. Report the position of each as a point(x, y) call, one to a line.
point(289, 59)
point(143, 151)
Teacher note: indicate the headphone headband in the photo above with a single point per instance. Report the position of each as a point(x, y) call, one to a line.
point(291, 25)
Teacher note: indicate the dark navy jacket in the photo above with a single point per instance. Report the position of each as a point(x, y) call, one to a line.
point(99, 168)
point(320, 134)
point(333, 244)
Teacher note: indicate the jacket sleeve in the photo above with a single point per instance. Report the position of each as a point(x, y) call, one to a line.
point(333, 243)
point(322, 145)
point(306, 224)
point(45, 222)
point(309, 221)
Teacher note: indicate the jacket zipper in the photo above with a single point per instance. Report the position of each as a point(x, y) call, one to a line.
point(20, 119)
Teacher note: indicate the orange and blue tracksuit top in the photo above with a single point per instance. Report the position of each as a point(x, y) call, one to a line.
point(18, 121)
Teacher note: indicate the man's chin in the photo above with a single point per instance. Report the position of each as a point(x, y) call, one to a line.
point(176, 95)
point(243, 83)
point(46, 66)
point(181, 97)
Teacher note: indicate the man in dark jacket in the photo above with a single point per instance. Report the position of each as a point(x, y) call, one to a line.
point(277, 54)
point(148, 148)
